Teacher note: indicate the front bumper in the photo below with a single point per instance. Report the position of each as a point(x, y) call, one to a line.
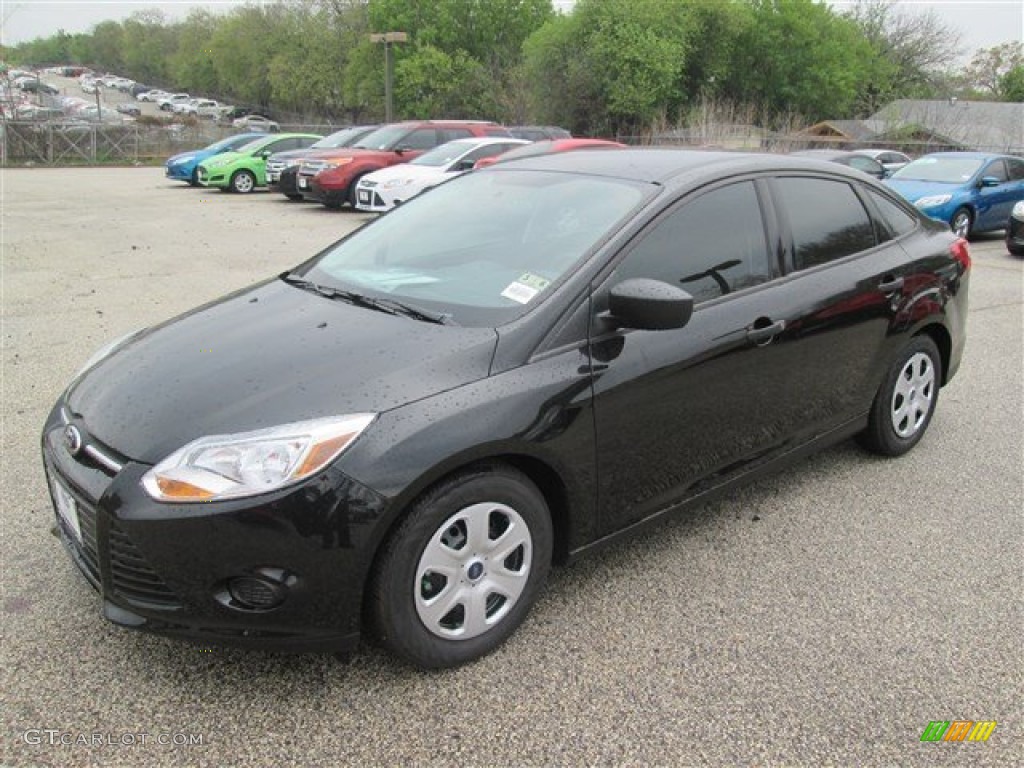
point(178, 569)
point(1015, 236)
point(373, 199)
point(179, 172)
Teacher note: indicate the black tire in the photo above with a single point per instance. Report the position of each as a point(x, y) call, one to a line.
point(243, 182)
point(961, 222)
point(293, 196)
point(906, 401)
point(463, 524)
point(350, 195)
point(194, 180)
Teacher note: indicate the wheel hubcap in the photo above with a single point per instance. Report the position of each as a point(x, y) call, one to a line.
point(473, 571)
point(960, 225)
point(913, 395)
point(243, 183)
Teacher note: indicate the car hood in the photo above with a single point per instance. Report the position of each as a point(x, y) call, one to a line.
point(914, 190)
point(270, 354)
point(359, 154)
point(197, 155)
point(408, 171)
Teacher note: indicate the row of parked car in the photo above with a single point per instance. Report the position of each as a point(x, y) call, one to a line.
point(345, 167)
point(374, 168)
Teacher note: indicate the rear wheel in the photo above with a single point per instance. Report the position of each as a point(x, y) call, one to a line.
point(194, 180)
point(905, 402)
point(243, 182)
point(961, 223)
point(460, 573)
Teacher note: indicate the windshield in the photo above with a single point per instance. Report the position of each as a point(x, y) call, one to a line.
point(232, 142)
point(484, 248)
point(951, 170)
point(446, 153)
point(383, 138)
point(341, 138)
point(253, 145)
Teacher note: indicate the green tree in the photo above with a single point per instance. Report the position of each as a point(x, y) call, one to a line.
point(799, 57)
point(148, 45)
point(192, 64)
point(1011, 86)
point(990, 65)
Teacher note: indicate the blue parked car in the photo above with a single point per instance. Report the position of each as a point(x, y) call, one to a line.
point(971, 191)
point(182, 167)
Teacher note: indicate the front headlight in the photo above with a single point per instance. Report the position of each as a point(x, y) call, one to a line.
point(932, 200)
point(337, 163)
point(250, 463)
point(1018, 210)
point(393, 183)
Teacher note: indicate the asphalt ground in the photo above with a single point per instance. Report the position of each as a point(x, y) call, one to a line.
point(820, 617)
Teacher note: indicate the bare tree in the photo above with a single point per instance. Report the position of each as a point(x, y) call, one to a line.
point(989, 66)
point(919, 46)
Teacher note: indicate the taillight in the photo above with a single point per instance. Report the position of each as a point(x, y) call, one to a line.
point(961, 253)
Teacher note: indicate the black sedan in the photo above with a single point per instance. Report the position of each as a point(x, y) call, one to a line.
point(858, 160)
point(400, 436)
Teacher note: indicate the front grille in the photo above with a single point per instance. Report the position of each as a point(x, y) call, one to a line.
point(132, 575)
point(368, 183)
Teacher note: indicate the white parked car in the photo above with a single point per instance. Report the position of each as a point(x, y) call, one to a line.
point(206, 108)
point(890, 160)
point(384, 189)
point(256, 123)
point(167, 103)
point(155, 95)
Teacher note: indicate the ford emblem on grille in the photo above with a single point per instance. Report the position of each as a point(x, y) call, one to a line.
point(72, 439)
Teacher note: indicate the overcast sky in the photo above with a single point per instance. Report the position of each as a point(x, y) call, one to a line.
point(982, 23)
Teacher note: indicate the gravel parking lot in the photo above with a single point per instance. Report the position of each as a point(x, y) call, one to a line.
point(821, 617)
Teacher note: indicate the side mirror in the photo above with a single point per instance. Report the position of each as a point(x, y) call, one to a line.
point(264, 154)
point(989, 181)
point(464, 165)
point(649, 305)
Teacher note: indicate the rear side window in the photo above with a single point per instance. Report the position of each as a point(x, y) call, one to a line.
point(826, 219)
point(898, 221)
point(1016, 168)
point(423, 138)
point(711, 246)
point(865, 164)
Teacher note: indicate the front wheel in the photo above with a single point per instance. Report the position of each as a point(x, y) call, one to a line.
point(905, 402)
point(243, 182)
point(961, 223)
point(460, 573)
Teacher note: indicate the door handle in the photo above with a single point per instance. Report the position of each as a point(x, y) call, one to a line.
point(763, 334)
point(890, 284)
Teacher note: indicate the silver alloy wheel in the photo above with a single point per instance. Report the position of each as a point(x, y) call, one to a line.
point(961, 224)
point(243, 182)
point(473, 570)
point(913, 395)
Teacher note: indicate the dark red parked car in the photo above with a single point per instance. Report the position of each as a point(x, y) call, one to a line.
point(331, 177)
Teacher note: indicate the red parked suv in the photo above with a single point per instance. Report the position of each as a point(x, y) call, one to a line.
point(330, 176)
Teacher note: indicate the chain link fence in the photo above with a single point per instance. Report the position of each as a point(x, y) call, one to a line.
point(56, 144)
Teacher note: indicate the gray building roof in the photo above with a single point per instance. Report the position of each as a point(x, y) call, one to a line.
point(983, 125)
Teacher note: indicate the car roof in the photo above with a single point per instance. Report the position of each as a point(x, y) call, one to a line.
point(977, 155)
point(664, 166)
point(831, 154)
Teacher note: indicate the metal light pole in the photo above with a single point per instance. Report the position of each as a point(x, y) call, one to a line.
point(389, 68)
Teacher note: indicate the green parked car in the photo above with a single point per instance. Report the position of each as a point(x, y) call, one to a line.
point(246, 168)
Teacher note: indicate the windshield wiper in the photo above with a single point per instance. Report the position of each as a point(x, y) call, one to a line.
point(389, 306)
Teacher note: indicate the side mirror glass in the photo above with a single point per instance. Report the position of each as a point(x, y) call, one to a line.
point(990, 181)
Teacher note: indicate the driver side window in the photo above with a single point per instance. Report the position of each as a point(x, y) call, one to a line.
point(711, 246)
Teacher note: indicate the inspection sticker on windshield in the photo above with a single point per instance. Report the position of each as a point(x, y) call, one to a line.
point(525, 288)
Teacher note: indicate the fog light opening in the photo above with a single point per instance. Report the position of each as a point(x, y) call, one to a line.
point(256, 593)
